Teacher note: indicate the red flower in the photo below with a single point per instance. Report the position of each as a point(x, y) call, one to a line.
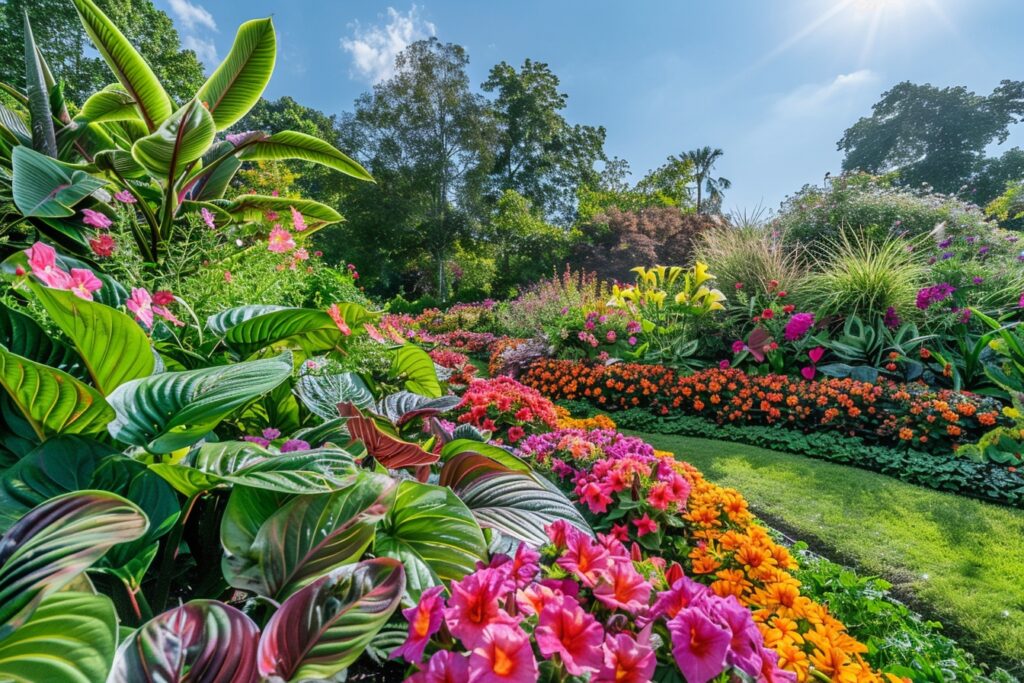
point(645, 525)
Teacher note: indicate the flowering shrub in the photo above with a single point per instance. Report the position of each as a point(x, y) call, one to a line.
point(886, 413)
point(600, 333)
point(462, 371)
point(466, 342)
point(506, 408)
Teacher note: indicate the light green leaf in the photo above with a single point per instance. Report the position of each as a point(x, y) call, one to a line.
point(290, 144)
point(46, 188)
point(415, 366)
point(113, 103)
point(239, 81)
point(253, 207)
point(181, 139)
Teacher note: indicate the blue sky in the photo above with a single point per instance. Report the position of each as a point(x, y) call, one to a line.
point(772, 82)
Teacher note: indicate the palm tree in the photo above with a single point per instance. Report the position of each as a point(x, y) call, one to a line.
point(703, 160)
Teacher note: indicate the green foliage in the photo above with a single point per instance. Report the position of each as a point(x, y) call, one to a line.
point(751, 256)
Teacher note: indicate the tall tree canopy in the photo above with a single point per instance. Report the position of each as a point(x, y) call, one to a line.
point(935, 136)
point(60, 36)
point(702, 160)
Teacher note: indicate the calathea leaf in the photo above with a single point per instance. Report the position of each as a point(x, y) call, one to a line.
point(204, 641)
point(389, 450)
point(23, 336)
point(180, 140)
point(321, 394)
point(45, 188)
point(325, 627)
point(55, 542)
point(274, 545)
point(171, 410)
point(404, 406)
point(416, 368)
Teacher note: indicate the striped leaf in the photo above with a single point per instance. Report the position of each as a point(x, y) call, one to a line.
point(239, 81)
point(289, 144)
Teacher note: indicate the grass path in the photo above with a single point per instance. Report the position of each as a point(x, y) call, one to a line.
point(955, 559)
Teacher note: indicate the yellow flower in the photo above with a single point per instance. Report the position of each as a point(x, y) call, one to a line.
point(1011, 413)
point(701, 274)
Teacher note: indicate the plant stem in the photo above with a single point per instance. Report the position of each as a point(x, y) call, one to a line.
point(163, 586)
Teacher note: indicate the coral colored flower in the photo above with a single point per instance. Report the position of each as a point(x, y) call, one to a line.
point(125, 197)
point(141, 304)
point(208, 218)
point(42, 259)
point(502, 655)
point(425, 620)
point(83, 283)
point(227, 276)
point(280, 241)
point(301, 254)
point(563, 628)
point(622, 587)
point(339, 319)
point(298, 222)
point(103, 245)
point(699, 644)
point(799, 325)
point(475, 604)
point(515, 433)
point(645, 525)
point(560, 532)
point(95, 219)
point(626, 660)
point(443, 667)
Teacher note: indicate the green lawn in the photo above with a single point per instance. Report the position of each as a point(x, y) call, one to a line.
point(957, 560)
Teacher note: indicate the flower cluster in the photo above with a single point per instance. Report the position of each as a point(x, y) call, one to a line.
point(887, 413)
point(567, 421)
point(466, 342)
point(462, 371)
point(506, 408)
point(42, 260)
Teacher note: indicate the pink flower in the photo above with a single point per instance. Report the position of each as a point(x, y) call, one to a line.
point(645, 525)
point(444, 667)
point(563, 628)
point(103, 246)
point(339, 319)
point(525, 565)
point(141, 304)
point(301, 254)
point(271, 216)
point(163, 297)
point(95, 219)
point(270, 433)
point(208, 218)
point(738, 346)
point(699, 644)
point(681, 595)
point(475, 604)
point(42, 258)
point(799, 325)
point(560, 532)
point(298, 222)
point(227, 276)
point(515, 433)
point(83, 283)
point(586, 559)
point(424, 621)
point(746, 641)
point(1020, 304)
point(622, 587)
point(125, 197)
point(626, 661)
point(280, 241)
point(292, 445)
point(595, 496)
point(724, 364)
point(503, 654)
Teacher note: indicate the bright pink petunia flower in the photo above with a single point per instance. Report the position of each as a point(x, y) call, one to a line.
point(42, 259)
point(525, 565)
point(503, 655)
point(280, 241)
point(622, 587)
point(584, 558)
point(298, 222)
point(645, 525)
point(700, 644)
point(444, 667)
point(626, 661)
point(747, 642)
point(425, 620)
point(125, 197)
point(141, 304)
point(83, 283)
point(95, 219)
point(565, 629)
point(475, 603)
point(681, 595)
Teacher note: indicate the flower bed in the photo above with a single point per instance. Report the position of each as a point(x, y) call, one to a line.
point(506, 409)
point(901, 415)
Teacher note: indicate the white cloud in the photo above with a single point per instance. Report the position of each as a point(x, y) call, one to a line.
point(205, 50)
point(813, 98)
point(192, 16)
point(374, 48)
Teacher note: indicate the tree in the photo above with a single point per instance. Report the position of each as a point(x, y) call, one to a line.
point(62, 39)
point(538, 154)
point(933, 136)
point(994, 174)
point(426, 138)
point(703, 161)
point(524, 245)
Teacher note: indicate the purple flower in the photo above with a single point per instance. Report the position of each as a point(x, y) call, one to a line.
point(208, 218)
point(892, 318)
point(934, 294)
point(946, 255)
point(256, 440)
point(978, 280)
point(238, 138)
point(798, 326)
point(971, 240)
point(944, 244)
point(125, 197)
point(294, 445)
point(983, 251)
point(270, 433)
point(95, 219)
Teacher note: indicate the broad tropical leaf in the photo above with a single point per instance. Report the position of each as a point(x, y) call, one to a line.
point(390, 451)
point(112, 345)
point(127, 64)
point(274, 546)
point(212, 183)
point(404, 406)
point(51, 400)
point(113, 103)
point(57, 541)
point(322, 629)
point(321, 394)
point(508, 460)
point(253, 207)
point(70, 638)
point(46, 188)
point(44, 138)
point(240, 463)
point(434, 535)
point(13, 128)
point(219, 323)
point(413, 365)
point(23, 335)
point(311, 329)
point(518, 505)
point(239, 81)
point(203, 641)
point(171, 410)
point(121, 162)
point(290, 144)
point(181, 139)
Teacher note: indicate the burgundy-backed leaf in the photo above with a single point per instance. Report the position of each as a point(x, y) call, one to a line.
point(388, 450)
point(55, 542)
point(405, 406)
point(203, 641)
point(757, 342)
point(323, 628)
point(463, 468)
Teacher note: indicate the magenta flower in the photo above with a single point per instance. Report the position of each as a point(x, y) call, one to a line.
point(584, 558)
point(563, 628)
point(280, 241)
point(292, 445)
point(892, 318)
point(42, 259)
point(141, 304)
point(738, 346)
point(799, 325)
point(1020, 304)
point(625, 661)
point(502, 655)
point(444, 667)
point(747, 642)
point(208, 218)
point(475, 604)
point(298, 222)
point(622, 587)
point(95, 219)
point(83, 283)
point(425, 620)
point(125, 197)
point(699, 644)
point(525, 565)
